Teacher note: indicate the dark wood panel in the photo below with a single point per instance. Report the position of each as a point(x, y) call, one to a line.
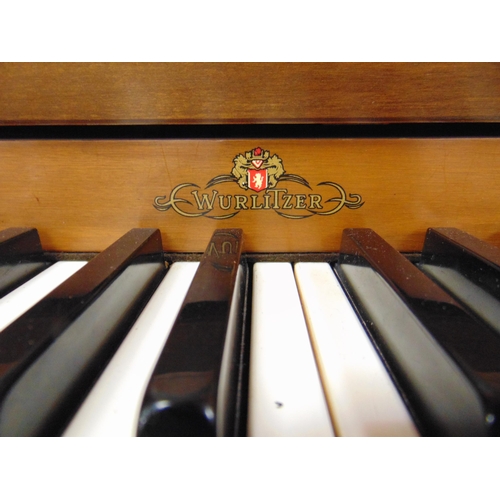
point(197, 93)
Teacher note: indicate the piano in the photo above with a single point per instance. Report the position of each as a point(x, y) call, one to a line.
point(312, 251)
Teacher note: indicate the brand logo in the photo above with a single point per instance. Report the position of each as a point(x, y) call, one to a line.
point(258, 172)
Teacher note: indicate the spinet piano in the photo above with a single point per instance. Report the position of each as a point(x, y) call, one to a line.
point(94, 150)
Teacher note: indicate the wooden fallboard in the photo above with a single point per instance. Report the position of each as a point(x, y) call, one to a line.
point(83, 195)
point(210, 93)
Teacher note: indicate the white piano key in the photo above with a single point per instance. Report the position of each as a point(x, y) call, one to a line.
point(17, 302)
point(285, 393)
point(112, 406)
point(362, 398)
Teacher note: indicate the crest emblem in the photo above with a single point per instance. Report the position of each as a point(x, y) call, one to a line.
point(257, 170)
point(257, 180)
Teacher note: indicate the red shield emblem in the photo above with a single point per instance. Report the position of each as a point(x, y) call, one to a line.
point(257, 180)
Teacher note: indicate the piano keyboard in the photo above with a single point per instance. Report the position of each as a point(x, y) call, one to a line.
point(369, 344)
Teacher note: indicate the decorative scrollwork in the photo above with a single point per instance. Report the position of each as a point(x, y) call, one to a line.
point(260, 172)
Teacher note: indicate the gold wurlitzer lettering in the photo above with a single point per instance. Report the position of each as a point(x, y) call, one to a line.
point(287, 205)
point(254, 202)
point(315, 202)
point(205, 200)
point(240, 202)
point(301, 198)
point(222, 205)
point(260, 172)
point(276, 205)
point(266, 202)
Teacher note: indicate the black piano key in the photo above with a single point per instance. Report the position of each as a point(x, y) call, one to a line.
point(445, 361)
point(466, 267)
point(191, 391)
point(51, 356)
point(21, 257)
point(19, 241)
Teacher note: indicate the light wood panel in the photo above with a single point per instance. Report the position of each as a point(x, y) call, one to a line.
point(175, 93)
point(83, 195)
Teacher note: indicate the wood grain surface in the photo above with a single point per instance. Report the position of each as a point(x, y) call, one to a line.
point(225, 93)
point(83, 195)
